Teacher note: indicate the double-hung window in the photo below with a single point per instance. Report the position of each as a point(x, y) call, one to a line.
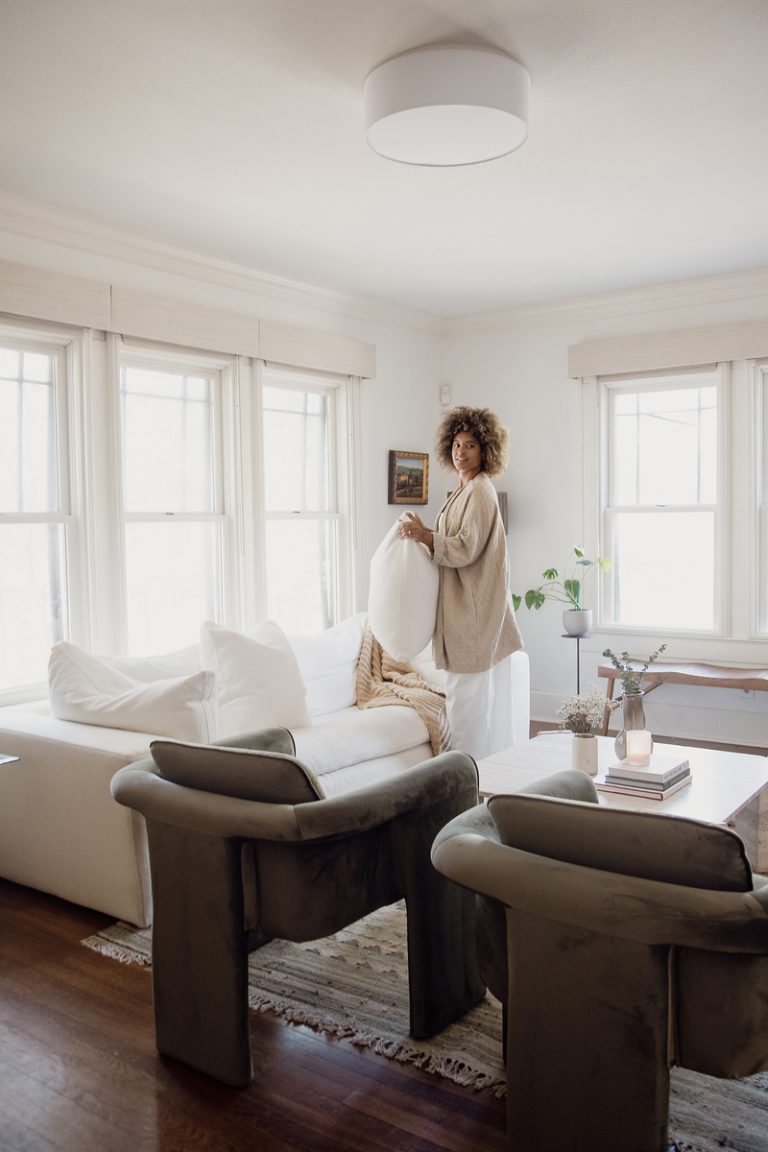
point(662, 501)
point(173, 496)
point(306, 499)
point(36, 522)
point(219, 522)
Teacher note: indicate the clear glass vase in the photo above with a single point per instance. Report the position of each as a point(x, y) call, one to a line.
point(633, 717)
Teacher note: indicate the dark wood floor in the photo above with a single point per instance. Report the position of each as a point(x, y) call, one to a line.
point(79, 1071)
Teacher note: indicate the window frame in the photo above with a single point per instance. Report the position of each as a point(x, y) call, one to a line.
point(69, 348)
point(224, 435)
point(658, 382)
point(343, 497)
point(742, 545)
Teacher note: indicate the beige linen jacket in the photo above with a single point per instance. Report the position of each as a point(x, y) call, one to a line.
point(476, 626)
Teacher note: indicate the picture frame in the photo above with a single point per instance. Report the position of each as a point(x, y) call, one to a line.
point(408, 476)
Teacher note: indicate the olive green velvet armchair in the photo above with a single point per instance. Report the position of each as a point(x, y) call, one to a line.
point(243, 845)
point(620, 944)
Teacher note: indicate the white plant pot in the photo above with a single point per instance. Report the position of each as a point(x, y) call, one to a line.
point(577, 621)
point(584, 753)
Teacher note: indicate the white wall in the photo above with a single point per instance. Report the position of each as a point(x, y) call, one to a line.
point(520, 370)
point(399, 409)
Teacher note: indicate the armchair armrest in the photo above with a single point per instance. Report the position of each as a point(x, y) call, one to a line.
point(628, 907)
point(141, 786)
point(432, 782)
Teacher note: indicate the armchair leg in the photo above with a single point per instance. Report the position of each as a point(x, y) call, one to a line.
point(200, 953)
point(586, 1053)
point(443, 968)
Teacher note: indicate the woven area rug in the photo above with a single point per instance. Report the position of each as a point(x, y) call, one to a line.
point(355, 985)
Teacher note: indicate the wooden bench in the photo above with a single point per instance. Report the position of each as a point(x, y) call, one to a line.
point(703, 675)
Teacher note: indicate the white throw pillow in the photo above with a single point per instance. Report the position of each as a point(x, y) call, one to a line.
point(258, 678)
point(88, 690)
point(402, 598)
point(328, 665)
point(182, 662)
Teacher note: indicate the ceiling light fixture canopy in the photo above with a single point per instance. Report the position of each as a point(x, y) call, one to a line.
point(447, 105)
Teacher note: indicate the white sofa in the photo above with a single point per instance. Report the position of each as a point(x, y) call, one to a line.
point(61, 831)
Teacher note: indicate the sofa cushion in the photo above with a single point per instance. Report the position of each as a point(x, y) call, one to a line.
point(88, 690)
point(258, 678)
point(402, 598)
point(357, 735)
point(328, 665)
point(269, 777)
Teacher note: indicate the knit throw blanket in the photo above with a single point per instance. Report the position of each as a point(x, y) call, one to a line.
point(382, 681)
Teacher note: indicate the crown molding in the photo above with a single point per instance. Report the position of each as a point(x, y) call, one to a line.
point(88, 234)
point(659, 298)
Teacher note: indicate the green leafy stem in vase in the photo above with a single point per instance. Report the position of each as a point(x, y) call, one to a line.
point(631, 675)
point(566, 589)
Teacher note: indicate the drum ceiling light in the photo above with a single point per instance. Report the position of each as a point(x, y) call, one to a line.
point(447, 105)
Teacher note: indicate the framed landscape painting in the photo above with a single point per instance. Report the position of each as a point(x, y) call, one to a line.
point(408, 477)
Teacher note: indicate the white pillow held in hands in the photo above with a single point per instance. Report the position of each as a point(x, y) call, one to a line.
point(402, 599)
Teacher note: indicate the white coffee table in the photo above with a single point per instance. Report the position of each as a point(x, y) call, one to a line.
point(726, 787)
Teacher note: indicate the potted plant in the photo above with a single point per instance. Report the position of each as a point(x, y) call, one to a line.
point(583, 715)
point(567, 589)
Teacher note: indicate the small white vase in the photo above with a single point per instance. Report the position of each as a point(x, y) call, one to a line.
point(584, 752)
point(577, 621)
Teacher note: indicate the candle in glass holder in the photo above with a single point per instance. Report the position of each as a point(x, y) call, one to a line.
point(638, 748)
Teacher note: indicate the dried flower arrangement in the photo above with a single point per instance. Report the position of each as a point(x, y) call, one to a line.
point(583, 714)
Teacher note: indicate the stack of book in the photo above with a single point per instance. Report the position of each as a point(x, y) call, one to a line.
point(664, 775)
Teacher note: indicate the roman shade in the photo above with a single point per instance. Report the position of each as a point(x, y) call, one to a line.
point(654, 351)
point(38, 294)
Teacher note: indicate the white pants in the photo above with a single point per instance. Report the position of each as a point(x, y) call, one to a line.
point(479, 708)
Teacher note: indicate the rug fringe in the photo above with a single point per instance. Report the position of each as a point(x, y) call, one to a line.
point(450, 1067)
point(117, 951)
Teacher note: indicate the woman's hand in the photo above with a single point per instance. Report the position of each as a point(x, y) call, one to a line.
point(414, 529)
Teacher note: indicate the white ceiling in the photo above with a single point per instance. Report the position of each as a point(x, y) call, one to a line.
point(234, 128)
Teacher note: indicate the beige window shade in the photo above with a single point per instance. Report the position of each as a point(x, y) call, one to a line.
point(324, 351)
point(38, 294)
point(41, 295)
point(648, 352)
point(180, 322)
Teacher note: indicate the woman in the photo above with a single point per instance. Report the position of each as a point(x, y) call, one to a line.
point(476, 631)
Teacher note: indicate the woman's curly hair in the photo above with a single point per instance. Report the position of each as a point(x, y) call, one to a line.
point(484, 425)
